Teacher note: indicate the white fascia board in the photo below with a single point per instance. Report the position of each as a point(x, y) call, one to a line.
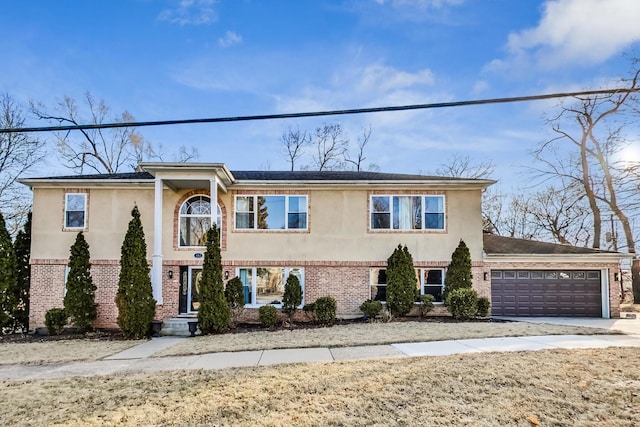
point(110, 183)
point(439, 184)
point(604, 258)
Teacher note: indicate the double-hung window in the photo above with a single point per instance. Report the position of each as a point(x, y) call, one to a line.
point(271, 212)
point(265, 285)
point(428, 281)
point(413, 212)
point(75, 210)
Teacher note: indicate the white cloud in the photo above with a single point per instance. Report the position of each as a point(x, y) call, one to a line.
point(576, 31)
point(190, 12)
point(230, 38)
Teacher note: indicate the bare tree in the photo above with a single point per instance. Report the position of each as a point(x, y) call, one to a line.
point(330, 145)
point(293, 143)
point(508, 216)
point(19, 152)
point(459, 166)
point(99, 150)
point(358, 160)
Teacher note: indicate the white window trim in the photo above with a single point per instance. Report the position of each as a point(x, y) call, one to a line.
point(423, 208)
point(254, 284)
point(66, 209)
point(181, 215)
point(421, 281)
point(255, 212)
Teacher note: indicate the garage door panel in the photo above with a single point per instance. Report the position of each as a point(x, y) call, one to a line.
point(546, 293)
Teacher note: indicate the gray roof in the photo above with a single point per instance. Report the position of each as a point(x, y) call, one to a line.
point(499, 245)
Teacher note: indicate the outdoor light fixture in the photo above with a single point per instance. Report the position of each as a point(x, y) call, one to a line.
point(226, 275)
point(616, 277)
point(485, 275)
point(170, 274)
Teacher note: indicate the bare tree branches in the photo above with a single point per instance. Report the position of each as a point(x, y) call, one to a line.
point(459, 166)
point(293, 143)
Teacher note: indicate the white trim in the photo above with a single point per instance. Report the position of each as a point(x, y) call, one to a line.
point(604, 289)
point(254, 281)
point(423, 212)
point(84, 211)
point(156, 266)
point(189, 286)
point(256, 211)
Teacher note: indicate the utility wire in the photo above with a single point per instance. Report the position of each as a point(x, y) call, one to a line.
point(322, 113)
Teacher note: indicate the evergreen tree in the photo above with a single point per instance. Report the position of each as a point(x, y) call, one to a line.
point(234, 294)
point(136, 306)
point(292, 297)
point(22, 247)
point(214, 314)
point(459, 270)
point(401, 282)
point(8, 278)
point(80, 300)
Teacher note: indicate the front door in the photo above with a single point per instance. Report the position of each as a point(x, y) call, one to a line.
point(193, 289)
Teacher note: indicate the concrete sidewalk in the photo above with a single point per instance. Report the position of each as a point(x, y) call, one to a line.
point(138, 358)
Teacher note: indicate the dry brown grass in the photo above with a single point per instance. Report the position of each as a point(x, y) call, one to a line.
point(630, 307)
point(368, 334)
point(60, 351)
point(557, 387)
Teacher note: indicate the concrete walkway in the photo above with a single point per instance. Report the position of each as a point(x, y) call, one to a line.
point(137, 359)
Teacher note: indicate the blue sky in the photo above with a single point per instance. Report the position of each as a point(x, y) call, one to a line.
point(172, 59)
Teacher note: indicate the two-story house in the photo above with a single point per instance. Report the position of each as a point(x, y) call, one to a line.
point(333, 230)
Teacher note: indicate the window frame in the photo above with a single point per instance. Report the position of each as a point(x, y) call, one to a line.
point(253, 286)
point(391, 203)
point(181, 215)
point(286, 214)
point(420, 282)
point(84, 210)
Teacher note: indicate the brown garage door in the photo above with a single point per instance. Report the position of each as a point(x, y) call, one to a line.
point(546, 293)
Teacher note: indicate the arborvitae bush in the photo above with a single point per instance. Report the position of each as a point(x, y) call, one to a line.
point(55, 320)
point(136, 306)
point(459, 270)
point(371, 309)
point(9, 281)
point(462, 303)
point(268, 316)
point(234, 294)
point(427, 301)
point(292, 297)
point(22, 247)
point(79, 301)
point(483, 307)
point(401, 282)
point(214, 314)
point(324, 310)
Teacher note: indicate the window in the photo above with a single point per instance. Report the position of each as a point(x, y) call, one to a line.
point(430, 281)
point(195, 220)
point(265, 285)
point(271, 212)
point(75, 209)
point(407, 213)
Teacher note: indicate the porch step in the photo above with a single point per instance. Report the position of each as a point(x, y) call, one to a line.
point(178, 326)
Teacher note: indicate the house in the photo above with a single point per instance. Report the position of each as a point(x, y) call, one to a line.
point(333, 230)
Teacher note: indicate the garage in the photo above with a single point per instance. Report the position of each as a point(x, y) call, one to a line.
point(566, 293)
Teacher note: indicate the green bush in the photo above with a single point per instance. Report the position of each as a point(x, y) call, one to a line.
point(268, 316)
point(462, 303)
point(55, 320)
point(401, 282)
point(427, 304)
point(214, 314)
point(79, 301)
point(325, 310)
point(234, 294)
point(292, 296)
point(483, 307)
point(371, 309)
point(458, 274)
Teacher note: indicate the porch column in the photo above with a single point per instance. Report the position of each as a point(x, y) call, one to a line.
point(213, 191)
point(156, 266)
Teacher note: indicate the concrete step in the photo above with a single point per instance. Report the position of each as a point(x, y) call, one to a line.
point(178, 326)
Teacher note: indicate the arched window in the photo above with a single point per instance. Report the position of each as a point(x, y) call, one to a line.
point(195, 220)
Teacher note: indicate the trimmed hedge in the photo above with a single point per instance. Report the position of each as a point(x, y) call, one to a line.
point(55, 320)
point(268, 316)
point(462, 303)
point(371, 309)
point(325, 310)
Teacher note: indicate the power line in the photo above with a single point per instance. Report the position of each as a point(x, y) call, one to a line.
point(322, 113)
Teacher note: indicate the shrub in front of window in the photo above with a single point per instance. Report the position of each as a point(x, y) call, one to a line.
point(268, 316)
point(55, 320)
point(483, 307)
point(427, 301)
point(371, 309)
point(401, 282)
point(459, 270)
point(214, 314)
point(462, 303)
point(234, 294)
point(292, 297)
point(136, 305)
point(79, 301)
point(308, 310)
point(325, 310)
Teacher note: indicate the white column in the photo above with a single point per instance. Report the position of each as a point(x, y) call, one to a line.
point(213, 183)
point(156, 266)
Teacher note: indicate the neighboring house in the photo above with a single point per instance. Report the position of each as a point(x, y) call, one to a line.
point(333, 230)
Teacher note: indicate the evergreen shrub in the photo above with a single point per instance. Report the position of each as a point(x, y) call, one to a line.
point(268, 316)
point(234, 294)
point(79, 301)
point(214, 314)
point(459, 270)
point(401, 282)
point(427, 301)
point(292, 297)
point(55, 320)
point(9, 281)
point(462, 303)
point(483, 307)
point(325, 310)
point(371, 309)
